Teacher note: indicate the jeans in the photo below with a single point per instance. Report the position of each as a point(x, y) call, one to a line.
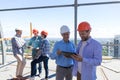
point(40, 67)
point(40, 59)
point(34, 51)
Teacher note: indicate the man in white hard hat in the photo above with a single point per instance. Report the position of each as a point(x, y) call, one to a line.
point(64, 63)
point(17, 46)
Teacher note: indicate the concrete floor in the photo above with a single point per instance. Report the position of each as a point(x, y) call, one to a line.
point(109, 70)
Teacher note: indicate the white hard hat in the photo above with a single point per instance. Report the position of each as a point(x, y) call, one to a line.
point(18, 29)
point(64, 29)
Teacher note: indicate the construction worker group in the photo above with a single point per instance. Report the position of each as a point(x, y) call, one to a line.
point(80, 61)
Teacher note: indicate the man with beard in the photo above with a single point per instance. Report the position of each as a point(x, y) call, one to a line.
point(89, 54)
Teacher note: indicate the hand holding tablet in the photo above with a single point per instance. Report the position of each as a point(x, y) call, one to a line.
point(68, 54)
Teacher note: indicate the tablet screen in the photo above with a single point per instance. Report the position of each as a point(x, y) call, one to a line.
point(67, 53)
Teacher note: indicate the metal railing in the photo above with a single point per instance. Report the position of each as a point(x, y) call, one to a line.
point(75, 5)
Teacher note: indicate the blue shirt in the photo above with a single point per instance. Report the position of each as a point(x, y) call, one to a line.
point(45, 47)
point(35, 42)
point(92, 57)
point(61, 60)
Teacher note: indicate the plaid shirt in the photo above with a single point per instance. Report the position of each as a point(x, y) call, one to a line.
point(45, 47)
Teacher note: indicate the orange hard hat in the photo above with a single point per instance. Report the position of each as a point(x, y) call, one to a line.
point(35, 30)
point(83, 26)
point(44, 33)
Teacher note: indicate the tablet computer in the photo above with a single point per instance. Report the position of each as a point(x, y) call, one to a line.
point(65, 53)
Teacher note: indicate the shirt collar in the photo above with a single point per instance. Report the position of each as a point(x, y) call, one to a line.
point(65, 42)
point(89, 40)
point(18, 35)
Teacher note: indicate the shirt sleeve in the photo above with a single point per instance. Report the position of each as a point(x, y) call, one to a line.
point(14, 46)
point(30, 42)
point(74, 48)
point(46, 47)
point(78, 47)
point(97, 58)
point(53, 55)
